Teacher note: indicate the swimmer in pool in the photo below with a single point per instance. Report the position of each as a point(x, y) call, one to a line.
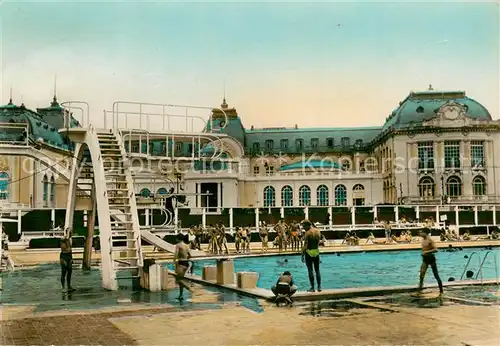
point(181, 258)
point(429, 259)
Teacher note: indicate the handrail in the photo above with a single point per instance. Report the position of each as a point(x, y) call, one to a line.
point(468, 262)
point(482, 263)
point(68, 106)
point(163, 114)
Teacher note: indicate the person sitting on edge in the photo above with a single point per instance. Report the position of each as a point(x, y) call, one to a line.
point(310, 253)
point(371, 238)
point(284, 285)
point(466, 236)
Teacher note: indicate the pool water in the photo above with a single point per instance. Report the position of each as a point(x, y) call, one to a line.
point(382, 268)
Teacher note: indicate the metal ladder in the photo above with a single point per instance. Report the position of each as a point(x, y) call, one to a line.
point(480, 265)
point(122, 207)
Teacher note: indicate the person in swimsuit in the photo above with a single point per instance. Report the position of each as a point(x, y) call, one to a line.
point(429, 259)
point(181, 258)
point(237, 239)
point(244, 240)
point(294, 236)
point(310, 253)
point(284, 285)
point(66, 260)
point(263, 233)
point(223, 239)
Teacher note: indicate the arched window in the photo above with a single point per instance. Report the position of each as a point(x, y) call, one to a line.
point(358, 194)
point(287, 196)
point(304, 195)
point(162, 191)
point(52, 191)
point(479, 186)
point(453, 186)
point(45, 189)
point(340, 195)
point(4, 185)
point(269, 196)
point(426, 187)
point(322, 195)
point(145, 193)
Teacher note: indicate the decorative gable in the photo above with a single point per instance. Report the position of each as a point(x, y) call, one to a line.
point(450, 114)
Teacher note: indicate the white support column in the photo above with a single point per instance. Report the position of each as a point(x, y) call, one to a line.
point(282, 212)
point(19, 218)
point(146, 217)
point(53, 217)
point(396, 213)
point(257, 219)
point(494, 215)
point(306, 213)
point(476, 219)
point(204, 218)
point(457, 219)
point(176, 217)
point(85, 218)
point(353, 215)
point(330, 217)
point(437, 214)
point(417, 212)
point(231, 220)
point(375, 212)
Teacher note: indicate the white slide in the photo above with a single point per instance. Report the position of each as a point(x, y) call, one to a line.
point(162, 244)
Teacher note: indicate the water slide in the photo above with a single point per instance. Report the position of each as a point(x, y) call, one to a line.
point(162, 244)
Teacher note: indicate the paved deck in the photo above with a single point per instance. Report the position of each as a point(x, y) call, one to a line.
point(401, 320)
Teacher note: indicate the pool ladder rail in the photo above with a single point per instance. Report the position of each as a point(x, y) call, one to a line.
point(481, 264)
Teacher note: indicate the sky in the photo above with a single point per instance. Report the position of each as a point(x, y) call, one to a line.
point(332, 64)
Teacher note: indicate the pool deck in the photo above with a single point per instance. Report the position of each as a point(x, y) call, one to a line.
point(430, 321)
point(40, 256)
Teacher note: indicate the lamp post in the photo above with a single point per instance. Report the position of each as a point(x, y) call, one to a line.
point(178, 177)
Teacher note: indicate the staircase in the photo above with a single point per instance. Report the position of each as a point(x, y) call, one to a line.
point(122, 234)
point(85, 182)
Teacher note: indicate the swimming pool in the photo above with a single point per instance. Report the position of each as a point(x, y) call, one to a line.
point(349, 270)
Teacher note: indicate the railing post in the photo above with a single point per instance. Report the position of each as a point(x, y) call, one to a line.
point(494, 215)
point(375, 212)
point(417, 212)
point(476, 221)
point(257, 219)
point(204, 217)
point(19, 218)
point(353, 215)
point(457, 219)
point(330, 217)
point(231, 220)
point(437, 214)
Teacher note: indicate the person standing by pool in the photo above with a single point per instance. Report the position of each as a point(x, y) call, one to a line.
point(428, 259)
point(181, 258)
point(263, 232)
point(310, 253)
point(66, 260)
point(387, 228)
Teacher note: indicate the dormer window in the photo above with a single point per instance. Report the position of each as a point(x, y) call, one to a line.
point(256, 170)
point(329, 142)
point(256, 146)
point(345, 142)
point(358, 143)
point(284, 144)
point(314, 143)
point(420, 109)
point(269, 144)
point(299, 144)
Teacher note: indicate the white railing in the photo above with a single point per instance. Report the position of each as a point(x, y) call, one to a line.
point(156, 116)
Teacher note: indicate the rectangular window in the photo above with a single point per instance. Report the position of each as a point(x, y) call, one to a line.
point(284, 144)
point(345, 142)
point(269, 170)
point(269, 144)
point(314, 143)
point(452, 154)
point(426, 155)
point(299, 145)
point(329, 142)
point(178, 148)
point(190, 149)
point(477, 154)
point(256, 146)
point(135, 147)
point(256, 170)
